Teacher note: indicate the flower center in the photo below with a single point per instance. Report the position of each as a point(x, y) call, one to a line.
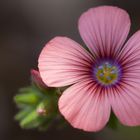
point(107, 73)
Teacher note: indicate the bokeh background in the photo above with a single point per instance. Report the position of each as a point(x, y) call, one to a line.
point(25, 27)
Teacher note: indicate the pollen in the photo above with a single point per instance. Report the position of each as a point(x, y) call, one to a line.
point(107, 74)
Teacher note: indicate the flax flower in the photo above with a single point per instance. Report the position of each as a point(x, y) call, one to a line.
point(102, 78)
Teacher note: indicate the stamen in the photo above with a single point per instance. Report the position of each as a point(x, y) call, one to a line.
point(107, 73)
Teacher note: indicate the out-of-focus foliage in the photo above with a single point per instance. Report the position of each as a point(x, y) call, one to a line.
point(38, 107)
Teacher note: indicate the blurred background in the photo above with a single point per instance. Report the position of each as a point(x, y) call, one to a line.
point(25, 27)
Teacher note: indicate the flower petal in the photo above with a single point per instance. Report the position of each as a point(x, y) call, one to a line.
point(129, 58)
point(85, 106)
point(104, 29)
point(126, 104)
point(63, 62)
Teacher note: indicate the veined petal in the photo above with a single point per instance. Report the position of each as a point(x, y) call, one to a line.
point(63, 62)
point(126, 104)
point(129, 58)
point(85, 106)
point(104, 30)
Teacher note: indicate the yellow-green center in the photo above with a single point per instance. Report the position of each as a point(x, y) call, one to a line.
point(107, 74)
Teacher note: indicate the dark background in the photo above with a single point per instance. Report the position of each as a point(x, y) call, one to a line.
point(25, 26)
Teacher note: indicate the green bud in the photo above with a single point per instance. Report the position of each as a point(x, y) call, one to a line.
point(26, 98)
point(23, 113)
point(38, 107)
point(44, 108)
point(32, 120)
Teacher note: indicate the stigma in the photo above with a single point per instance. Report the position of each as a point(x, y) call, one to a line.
point(107, 73)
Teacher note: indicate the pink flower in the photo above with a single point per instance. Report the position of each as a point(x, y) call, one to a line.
point(103, 77)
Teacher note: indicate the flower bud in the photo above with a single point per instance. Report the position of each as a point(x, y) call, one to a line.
point(36, 78)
